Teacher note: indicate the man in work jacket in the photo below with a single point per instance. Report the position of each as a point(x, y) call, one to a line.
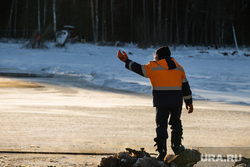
point(170, 87)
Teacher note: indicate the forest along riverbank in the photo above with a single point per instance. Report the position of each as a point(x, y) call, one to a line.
point(49, 115)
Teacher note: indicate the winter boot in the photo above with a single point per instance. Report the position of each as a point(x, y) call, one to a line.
point(161, 148)
point(176, 145)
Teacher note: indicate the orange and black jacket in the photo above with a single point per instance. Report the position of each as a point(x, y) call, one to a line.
point(168, 81)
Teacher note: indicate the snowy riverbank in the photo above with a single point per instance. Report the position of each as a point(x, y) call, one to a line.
point(221, 75)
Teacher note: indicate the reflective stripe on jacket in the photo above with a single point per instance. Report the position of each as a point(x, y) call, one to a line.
point(168, 81)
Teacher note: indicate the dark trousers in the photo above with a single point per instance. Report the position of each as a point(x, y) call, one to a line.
point(162, 114)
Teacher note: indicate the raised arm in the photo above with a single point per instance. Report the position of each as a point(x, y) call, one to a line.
point(129, 64)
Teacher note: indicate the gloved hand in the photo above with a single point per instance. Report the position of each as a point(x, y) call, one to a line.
point(122, 56)
point(190, 108)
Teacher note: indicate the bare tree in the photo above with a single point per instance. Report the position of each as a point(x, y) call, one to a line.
point(15, 19)
point(235, 39)
point(26, 18)
point(97, 20)
point(206, 23)
point(211, 24)
point(8, 32)
point(159, 21)
point(144, 21)
point(54, 15)
point(38, 17)
point(166, 25)
point(44, 12)
point(154, 22)
point(112, 18)
point(186, 23)
point(171, 23)
point(177, 39)
point(104, 28)
point(94, 16)
point(131, 20)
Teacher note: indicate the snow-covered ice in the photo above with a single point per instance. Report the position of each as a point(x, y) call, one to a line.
point(212, 75)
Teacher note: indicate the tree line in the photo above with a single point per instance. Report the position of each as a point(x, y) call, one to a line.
point(215, 23)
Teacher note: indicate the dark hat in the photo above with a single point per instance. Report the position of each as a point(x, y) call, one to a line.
point(163, 52)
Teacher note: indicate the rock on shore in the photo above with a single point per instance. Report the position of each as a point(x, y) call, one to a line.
point(134, 158)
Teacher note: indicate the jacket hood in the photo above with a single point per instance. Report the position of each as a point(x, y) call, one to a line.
point(168, 63)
